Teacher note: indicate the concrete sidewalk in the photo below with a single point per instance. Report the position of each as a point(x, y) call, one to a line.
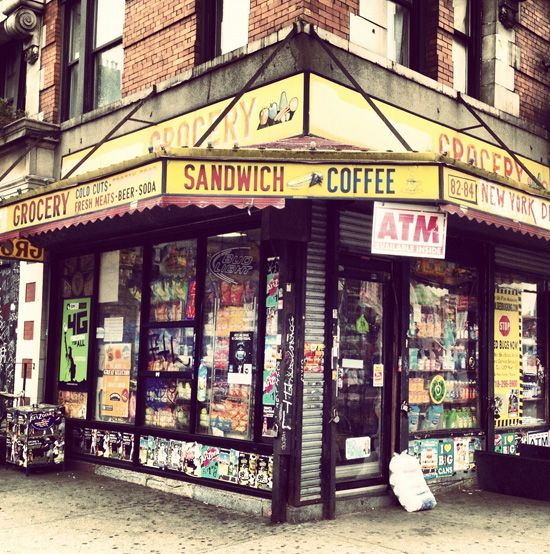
point(81, 512)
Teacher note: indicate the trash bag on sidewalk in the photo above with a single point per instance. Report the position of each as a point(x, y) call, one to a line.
point(408, 483)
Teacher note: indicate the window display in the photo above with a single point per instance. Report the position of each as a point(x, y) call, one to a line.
point(520, 388)
point(171, 344)
point(170, 349)
point(443, 351)
point(173, 282)
point(117, 334)
point(167, 403)
point(226, 375)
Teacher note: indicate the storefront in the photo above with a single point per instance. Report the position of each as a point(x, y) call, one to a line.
point(276, 321)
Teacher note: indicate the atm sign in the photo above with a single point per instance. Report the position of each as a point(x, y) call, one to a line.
point(407, 230)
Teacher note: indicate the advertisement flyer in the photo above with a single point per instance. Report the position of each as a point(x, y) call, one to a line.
point(507, 357)
point(73, 360)
point(228, 465)
point(428, 457)
point(210, 462)
point(462, 454)
point(445, 458)
point(506, 443)
point(240, 357)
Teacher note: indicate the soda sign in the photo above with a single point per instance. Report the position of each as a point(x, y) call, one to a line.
point(403, 230)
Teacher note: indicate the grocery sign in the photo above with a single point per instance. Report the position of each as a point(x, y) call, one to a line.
point(402, 230)
point(21, 249)
point(351, 120)
point(496, 199)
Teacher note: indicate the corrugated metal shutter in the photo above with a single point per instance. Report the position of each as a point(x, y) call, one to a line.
point(312, 418)
point(523, 260)
point(355, 231)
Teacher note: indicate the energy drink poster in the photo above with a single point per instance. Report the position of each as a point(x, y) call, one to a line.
point(507, 357)
point(75, 334)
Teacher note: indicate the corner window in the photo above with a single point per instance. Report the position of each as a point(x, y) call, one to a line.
point(227, 372)
point(223, 27)
point(93, 53)
point(383, 27)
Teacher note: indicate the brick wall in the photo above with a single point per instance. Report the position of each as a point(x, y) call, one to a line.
point(50, 61)
point(532, 79)
point(159, 41)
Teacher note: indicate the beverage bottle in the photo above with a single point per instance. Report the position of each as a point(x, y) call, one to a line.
point(201, 384)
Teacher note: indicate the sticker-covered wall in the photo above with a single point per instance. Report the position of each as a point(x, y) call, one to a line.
point(9, 296)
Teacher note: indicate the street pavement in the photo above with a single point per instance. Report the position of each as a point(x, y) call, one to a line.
point(76, 511)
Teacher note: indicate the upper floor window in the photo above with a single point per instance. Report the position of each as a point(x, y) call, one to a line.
point(465, 46)
point(94, 55)
point(223, 27)
point(12, 76)
point(383, 27)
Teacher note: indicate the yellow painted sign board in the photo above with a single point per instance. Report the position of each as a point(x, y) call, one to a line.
point(343, 115)
point(266, 114)
point(507, 357)
point(302, 180)
point(21, 249)
point(125, 188)
point(496, 199)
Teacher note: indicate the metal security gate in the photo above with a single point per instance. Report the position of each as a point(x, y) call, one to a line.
point(312, 418)
point(528, 261)
point(355, 232)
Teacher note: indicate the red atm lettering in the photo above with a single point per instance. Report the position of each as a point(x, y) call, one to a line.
point(424, 228)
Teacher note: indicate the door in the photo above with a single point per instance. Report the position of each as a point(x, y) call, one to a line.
point(360, 410)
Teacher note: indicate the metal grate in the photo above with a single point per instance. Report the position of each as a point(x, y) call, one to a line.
point(355, 231)
point(528, 261)
point(312, 419)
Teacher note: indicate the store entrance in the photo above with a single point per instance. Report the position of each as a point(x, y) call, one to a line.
point(360, 345)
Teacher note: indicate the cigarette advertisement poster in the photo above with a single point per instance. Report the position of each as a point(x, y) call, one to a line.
point(507, 357)
point(73, 359)
point(240, 357)
point(116, 379)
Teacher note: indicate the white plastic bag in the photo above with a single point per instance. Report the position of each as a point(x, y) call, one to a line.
point(408, 483)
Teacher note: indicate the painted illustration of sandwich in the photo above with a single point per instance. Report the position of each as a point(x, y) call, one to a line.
point(309, 180)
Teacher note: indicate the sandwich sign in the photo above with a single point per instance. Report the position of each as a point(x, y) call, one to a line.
point(408, 230)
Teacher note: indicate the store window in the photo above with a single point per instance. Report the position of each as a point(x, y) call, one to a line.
point(168, 379)
point(443, 351)
point(77, 289)
point(94, 54)
point(227, 372)
point(223, 27)
point(519, 373)
point(383, 27)
point(117, 334)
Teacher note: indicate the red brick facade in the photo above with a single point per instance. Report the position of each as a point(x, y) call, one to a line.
point(50, 94)
point(532, 80)
point(160, 42)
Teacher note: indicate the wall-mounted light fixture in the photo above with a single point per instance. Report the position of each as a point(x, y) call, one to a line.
point(508, 11)
point(30, 53)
